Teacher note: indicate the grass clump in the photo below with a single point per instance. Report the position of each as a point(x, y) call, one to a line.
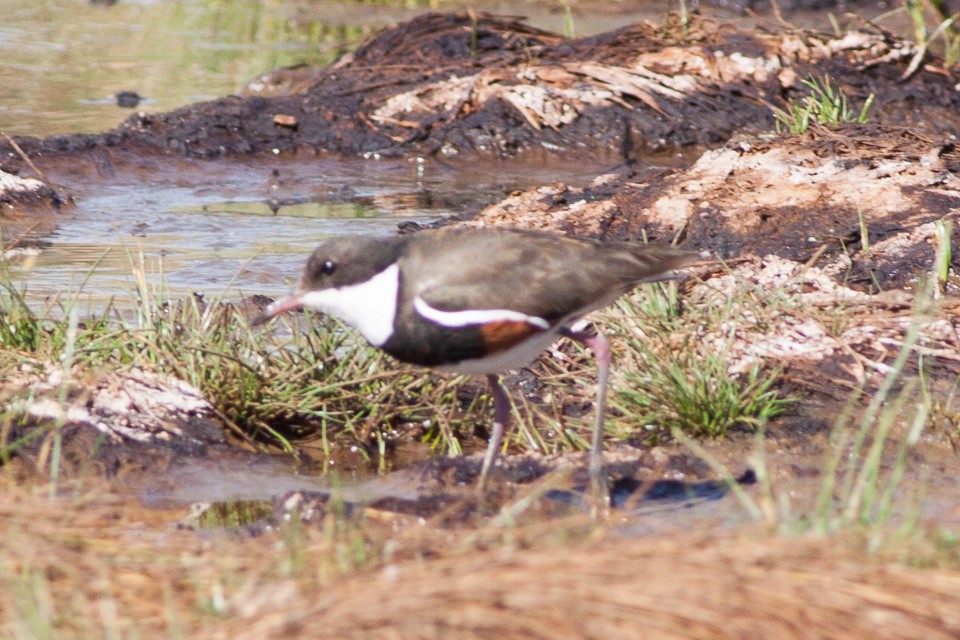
point(945, 30)
point(698, 396)
point(825, 105)
point(19, 327)
point(674, 379)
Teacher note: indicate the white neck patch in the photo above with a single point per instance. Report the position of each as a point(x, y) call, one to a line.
point(370, 306)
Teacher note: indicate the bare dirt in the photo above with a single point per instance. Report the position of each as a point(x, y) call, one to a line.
point(844, 219)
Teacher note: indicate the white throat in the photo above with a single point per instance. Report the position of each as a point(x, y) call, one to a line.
point(370, 306)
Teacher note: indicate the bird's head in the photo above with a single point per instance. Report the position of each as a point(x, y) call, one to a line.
point(340, 266)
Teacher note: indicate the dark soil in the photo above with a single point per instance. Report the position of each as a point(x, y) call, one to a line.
point(739, 75)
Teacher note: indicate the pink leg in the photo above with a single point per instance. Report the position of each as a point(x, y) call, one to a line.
point(601, 351)
point(501, 412)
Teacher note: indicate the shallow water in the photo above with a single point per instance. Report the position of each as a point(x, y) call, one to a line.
point(232, 228)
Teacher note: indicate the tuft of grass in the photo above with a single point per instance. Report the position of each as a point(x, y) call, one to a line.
point(943, 254)
point(20, 329)
point(824, 105)
point(945, 30)
point(673, 381)
point(922, 15)
point(696, 394)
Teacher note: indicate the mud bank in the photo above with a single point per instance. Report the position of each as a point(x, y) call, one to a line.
point(844, 217)
point(455, 85)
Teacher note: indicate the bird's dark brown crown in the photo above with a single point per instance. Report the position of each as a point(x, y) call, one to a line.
point(350, 260)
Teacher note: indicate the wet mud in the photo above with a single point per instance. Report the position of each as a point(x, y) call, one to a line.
point(453, 84)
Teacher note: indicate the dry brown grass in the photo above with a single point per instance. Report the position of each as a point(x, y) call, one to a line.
point(704, 587)
point(100, 566)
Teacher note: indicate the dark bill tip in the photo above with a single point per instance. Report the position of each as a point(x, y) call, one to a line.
point(283, 305)
point(260, 318)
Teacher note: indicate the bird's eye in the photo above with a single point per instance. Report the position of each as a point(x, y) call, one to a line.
point(328, 267)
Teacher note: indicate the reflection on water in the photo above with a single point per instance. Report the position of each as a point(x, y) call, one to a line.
point(61, 62)
point(191, 480)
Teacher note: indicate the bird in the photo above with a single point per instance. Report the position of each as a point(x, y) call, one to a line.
point(478, 301)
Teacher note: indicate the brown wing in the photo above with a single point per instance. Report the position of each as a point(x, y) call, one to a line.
point(540, 275)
